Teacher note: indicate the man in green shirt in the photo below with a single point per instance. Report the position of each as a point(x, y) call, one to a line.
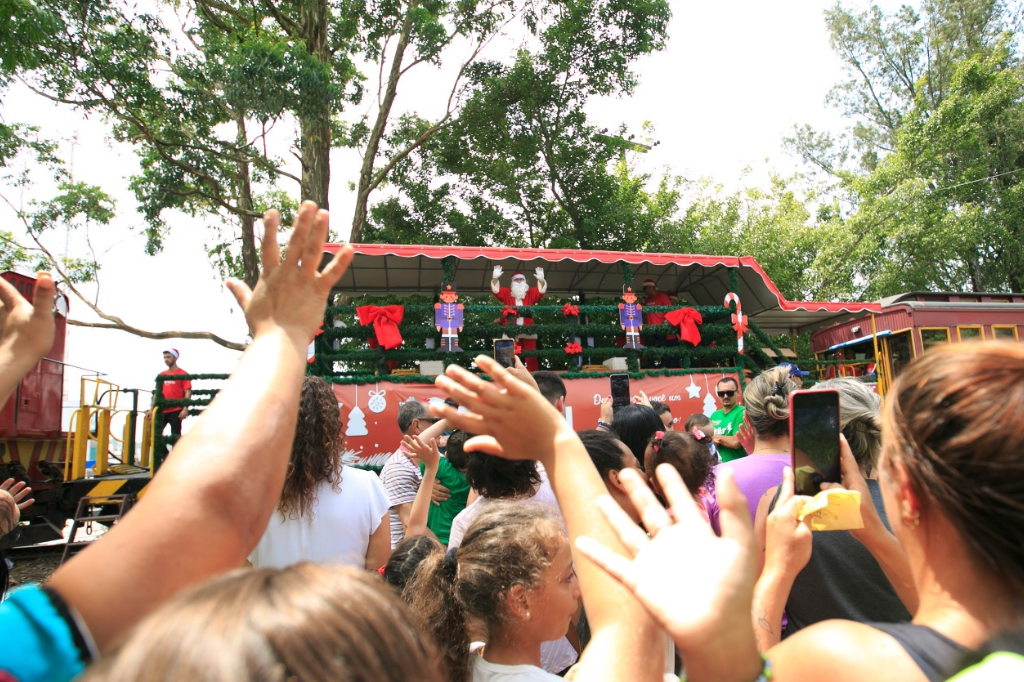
point(728, 420)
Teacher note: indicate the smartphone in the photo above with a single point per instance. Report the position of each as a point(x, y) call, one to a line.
point(505, 352)
point(620, 390)
point(814, 439)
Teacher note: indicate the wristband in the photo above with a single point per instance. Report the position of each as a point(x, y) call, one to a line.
point(604, 426)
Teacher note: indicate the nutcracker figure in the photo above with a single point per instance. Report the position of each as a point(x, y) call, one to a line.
point(630, 318)
point(448, 318)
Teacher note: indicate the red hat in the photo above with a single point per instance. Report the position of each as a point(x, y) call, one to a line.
point(518, 275)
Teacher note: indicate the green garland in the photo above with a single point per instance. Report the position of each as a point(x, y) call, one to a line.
point(709, 332)
point(419, 379)
point(711, 311)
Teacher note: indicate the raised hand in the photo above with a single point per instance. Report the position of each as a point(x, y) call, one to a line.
point(291, 295)
point(788, 540)
point(26, 329)
point(642, 399)
point(745, 435)
point(540, 274)
point(513, 419)
point(519, 371)
point(20, 491)
point(607, 410)
point(425, 452)
point(707, 623)
point(497, 272)
point(853, 479)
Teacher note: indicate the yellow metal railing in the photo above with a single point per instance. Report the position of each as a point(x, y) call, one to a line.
point(99, 401)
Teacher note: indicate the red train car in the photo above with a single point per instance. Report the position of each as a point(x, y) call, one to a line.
point(879, 346)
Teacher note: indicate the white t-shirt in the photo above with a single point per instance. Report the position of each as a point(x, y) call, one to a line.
point(401, 479)
point(485, 671)
point(338, 531)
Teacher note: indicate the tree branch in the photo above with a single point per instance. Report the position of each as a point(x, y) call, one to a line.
point(113, 322)
point(205, 336)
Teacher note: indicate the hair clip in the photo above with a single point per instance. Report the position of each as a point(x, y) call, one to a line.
point(698, 434)
point(656, 443)
point(776, 388)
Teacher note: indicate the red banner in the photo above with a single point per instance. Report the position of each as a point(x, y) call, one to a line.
point(370, 412)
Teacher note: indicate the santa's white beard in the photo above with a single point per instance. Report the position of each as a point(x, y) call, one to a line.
point(519, 289)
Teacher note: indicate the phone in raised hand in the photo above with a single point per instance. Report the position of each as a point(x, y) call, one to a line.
point(814, 439)
point(505, 352)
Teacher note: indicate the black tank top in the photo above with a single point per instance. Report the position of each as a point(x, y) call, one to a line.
point(842, 580)
point(936, 655)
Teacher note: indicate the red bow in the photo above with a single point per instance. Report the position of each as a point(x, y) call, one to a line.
point(570, 309)
point(509, 311)
point(573, 348)
point(687, 320)
point(739, 323)
point(385, 321)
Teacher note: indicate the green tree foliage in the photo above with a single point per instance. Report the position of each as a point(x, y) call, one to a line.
point(518, 131)
point(933, 163)
point(521, 165)
point(774, 225)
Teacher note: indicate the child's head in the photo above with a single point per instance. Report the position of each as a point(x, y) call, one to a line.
point(699, 421)
point(406, 558)
point(664, 413)
point(513, 573)
point(685, 453)
point(455, 449)
point(308, 621)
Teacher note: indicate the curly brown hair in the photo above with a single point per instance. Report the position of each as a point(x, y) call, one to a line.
point(316, 450)
point(508, 544)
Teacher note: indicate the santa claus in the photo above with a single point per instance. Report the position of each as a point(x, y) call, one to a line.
point(520, 296)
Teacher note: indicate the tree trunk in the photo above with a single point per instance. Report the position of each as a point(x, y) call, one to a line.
point(377, 133)
point(976, 282)
point(250, 261)
point(315, 129)
point(316, 161)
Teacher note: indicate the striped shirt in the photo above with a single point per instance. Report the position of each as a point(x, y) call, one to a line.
point(401, 479)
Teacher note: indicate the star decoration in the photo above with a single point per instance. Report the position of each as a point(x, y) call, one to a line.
point(693, 390)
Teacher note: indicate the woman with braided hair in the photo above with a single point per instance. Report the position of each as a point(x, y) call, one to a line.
point(766, 415)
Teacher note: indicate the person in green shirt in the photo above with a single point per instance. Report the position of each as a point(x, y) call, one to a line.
point(451, 473)
point(728, 420)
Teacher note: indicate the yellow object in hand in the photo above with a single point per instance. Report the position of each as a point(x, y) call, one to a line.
point(833, 509)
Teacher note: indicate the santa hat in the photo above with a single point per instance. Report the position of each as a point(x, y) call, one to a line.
point(174, 352)
point(518, 275)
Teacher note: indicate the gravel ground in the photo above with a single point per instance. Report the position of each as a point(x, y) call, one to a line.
point(38, 566)
point(34, 570)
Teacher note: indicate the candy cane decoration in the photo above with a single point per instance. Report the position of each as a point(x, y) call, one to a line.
point(739, 320)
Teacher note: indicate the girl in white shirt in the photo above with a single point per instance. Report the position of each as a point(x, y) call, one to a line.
point(513, 573)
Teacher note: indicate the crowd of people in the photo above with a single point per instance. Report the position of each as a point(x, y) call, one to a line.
point(498, 544)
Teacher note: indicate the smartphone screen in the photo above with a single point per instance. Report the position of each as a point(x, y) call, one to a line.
point(814, 439)
point(620, 390)
point(505, 352)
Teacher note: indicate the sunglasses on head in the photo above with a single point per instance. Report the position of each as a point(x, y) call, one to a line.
point(726, 394)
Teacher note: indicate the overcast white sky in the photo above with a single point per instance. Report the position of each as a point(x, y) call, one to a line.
point(734, 79)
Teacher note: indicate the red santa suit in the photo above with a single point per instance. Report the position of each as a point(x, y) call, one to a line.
point(532, 297)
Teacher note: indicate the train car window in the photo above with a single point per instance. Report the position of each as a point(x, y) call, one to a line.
point(900, 351)
point(970, 333)
point(1004, 331)
point(934, 336)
